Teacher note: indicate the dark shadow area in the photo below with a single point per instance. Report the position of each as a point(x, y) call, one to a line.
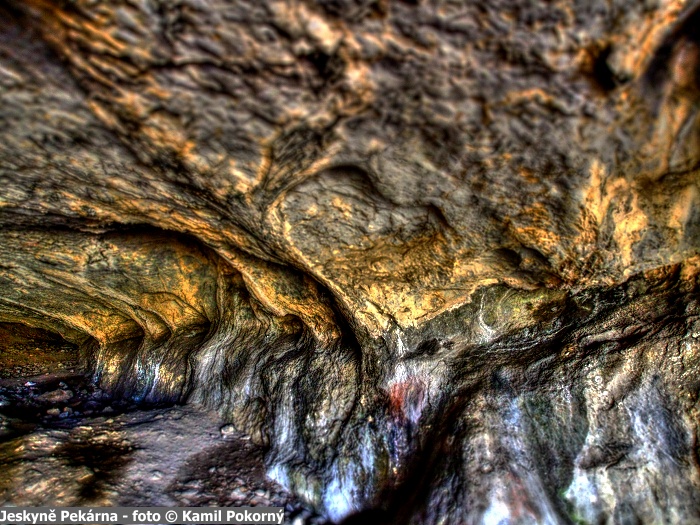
point(217, 467)
point(105, 460)
point(233, 474)
point(603, 76)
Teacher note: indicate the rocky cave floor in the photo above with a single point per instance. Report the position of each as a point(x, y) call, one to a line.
point(65, 442)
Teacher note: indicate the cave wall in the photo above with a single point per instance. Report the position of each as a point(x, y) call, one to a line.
point(439, 257)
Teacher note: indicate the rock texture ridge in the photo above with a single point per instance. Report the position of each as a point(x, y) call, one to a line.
point(439, 258)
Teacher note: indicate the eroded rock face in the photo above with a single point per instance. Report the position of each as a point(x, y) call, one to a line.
point(440, 259)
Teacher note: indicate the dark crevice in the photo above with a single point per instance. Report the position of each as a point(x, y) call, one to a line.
point(603, 76)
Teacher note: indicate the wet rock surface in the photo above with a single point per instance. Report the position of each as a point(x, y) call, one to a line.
point(437, 261)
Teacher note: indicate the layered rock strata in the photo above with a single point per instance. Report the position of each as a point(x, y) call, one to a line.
point(439, 258)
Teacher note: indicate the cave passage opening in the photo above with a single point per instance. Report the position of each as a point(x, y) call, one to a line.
point(45, 379)
point(27, 351)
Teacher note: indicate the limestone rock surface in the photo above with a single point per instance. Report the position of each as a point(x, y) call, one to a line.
point(439, 258)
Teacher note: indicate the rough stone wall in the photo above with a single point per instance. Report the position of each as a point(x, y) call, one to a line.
point(451, 241)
